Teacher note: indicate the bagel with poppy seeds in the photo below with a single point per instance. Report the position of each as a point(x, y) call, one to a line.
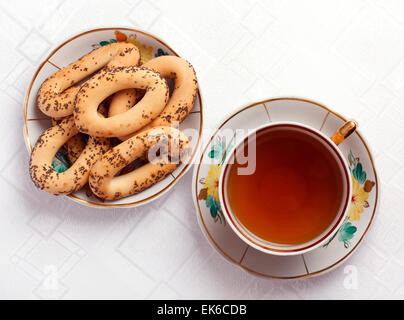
point(183, 96)
point(40, 167)
point(166, 147)
point(57, 94)
point(109, 81)
point(76, 144)
point(185, 88)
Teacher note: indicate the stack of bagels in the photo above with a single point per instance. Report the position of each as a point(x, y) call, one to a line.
point(107, 113)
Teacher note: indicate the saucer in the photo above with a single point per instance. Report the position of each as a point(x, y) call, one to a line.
point(362, 210)
point(35, 122)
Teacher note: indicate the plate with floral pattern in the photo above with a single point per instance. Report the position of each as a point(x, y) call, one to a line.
point(363, 206)
point(71, 50)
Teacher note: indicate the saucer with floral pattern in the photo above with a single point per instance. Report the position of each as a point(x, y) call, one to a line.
point(362, 210)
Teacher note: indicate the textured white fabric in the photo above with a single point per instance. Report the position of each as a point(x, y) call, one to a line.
point(347, 54)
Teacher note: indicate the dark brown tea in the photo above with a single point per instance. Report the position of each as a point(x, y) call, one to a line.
point(295, 192)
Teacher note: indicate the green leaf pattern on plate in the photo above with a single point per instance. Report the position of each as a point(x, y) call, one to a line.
point(160, 52)
point(60, 163)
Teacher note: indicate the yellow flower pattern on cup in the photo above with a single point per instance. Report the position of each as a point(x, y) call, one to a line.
point(358, 201)
point(210, 190)
point(361, 188)
point(212, 181)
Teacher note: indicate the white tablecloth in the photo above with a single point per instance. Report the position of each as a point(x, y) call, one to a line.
point(347, 54)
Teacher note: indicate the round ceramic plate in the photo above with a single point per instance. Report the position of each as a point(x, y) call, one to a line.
point(74, 48)
point(362, 208)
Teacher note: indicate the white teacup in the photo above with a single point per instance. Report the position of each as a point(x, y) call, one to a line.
point(331, 145)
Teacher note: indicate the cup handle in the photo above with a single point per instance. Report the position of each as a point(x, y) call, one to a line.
point(344, 132)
